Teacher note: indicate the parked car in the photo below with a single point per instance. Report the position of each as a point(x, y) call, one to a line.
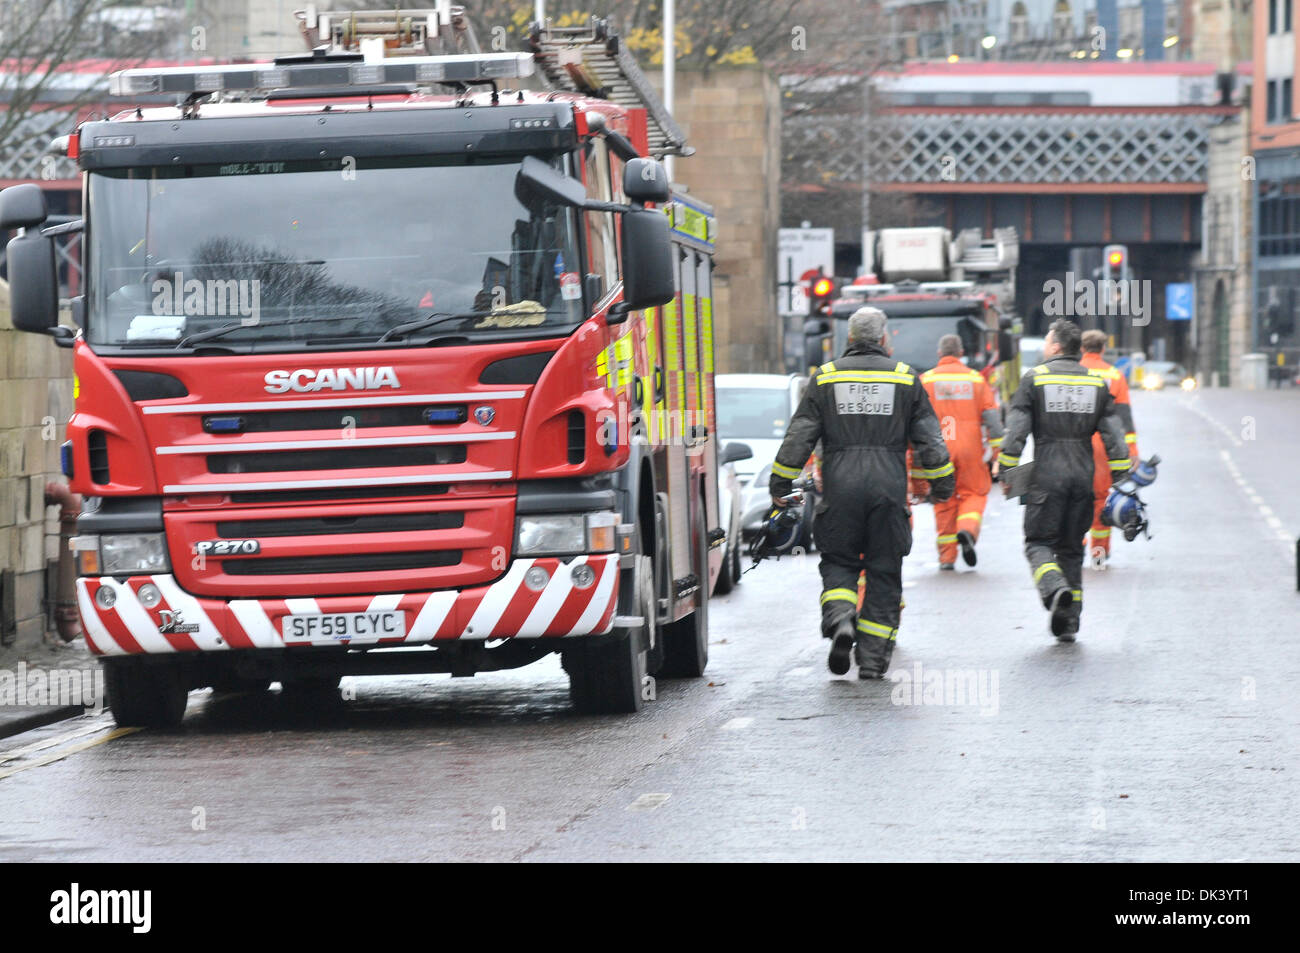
point(756, 409)
point(729, 496)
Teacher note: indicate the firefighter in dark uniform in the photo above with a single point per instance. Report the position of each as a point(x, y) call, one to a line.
point(1063, 405)
point(865, 408)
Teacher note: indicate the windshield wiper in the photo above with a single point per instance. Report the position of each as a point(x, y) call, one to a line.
point(428, 321)
point(191, 339)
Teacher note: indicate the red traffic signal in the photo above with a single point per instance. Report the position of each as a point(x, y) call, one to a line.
point(822, 287)
point(1116, 258)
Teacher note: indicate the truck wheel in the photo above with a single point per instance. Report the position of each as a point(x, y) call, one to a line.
point(728, 577)
point(606, 674)
point(145, 695)
point(686, 641)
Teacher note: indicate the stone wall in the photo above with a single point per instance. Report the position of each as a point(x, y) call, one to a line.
point(732, 117)
point(35, 403)
point(1229, 214)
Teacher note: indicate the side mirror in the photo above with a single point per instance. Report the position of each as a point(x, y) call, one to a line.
point(539, 178)
point(648, 279)
point(735, 451)
point(22, 206)
point(645, 180)
point(33, 281)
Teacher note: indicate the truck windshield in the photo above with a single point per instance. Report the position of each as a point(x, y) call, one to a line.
point(325, 253)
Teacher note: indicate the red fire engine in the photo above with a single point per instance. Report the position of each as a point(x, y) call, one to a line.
point(382, 367)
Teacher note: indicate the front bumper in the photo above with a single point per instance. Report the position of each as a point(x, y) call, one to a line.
point(508, 608)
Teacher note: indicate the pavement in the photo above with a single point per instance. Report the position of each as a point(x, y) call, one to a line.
point(22, 668)
point(1169, 732)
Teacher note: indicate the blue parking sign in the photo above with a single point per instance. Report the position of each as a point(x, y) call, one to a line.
point(1179, 302)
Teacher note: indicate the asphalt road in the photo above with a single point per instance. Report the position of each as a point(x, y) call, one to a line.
point(1169, 732)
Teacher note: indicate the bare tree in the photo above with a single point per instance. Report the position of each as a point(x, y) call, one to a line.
point(42, 44)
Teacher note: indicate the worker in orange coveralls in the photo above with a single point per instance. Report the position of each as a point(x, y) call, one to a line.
point(968, 413)
point(1094, 343)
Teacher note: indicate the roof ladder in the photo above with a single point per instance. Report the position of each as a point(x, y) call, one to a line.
point(592, 61)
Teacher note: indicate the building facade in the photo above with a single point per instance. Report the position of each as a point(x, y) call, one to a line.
point(1275, 170)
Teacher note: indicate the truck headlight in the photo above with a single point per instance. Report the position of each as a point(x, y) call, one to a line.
point(565, 534)
point(126, 553)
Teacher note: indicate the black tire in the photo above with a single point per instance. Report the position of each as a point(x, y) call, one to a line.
point(145, 695)
point(728, 578)
point(606, 674)
point(737, 570)
point(686, 641)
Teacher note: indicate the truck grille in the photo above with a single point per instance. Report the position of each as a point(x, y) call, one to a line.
point(335, 525)
point(97, 445)
point(348, 562)
point(337, 493)
point(409, 415)
point(276, 461)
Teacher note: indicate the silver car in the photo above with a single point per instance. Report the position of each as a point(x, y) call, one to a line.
point(756, 409)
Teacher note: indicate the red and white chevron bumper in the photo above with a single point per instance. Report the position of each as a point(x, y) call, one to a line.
point(519, 605)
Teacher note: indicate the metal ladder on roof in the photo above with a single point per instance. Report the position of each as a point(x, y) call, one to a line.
point(592, 61)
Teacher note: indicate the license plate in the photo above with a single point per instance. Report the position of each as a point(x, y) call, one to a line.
point(329, 627)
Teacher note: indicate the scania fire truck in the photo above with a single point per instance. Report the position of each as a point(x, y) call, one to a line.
point(394, 357)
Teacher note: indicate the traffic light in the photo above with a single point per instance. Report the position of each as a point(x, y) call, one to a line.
point(820, 289)
point(1114, 263)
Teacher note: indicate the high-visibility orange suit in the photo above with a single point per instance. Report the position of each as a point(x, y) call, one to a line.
point(967, 410)
point(1099, 544)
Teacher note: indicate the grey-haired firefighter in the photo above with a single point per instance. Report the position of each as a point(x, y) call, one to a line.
point(866, 408)
point(1063, 405)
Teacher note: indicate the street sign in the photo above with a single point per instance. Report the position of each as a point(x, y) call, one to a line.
point(1180, 303)
point(799, 250)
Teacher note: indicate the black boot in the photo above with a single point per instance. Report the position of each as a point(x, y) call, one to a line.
point(1061, 607)
point(841, 648)
point(967, 543)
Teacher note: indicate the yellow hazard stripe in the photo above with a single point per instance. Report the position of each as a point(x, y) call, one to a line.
point(934, 474)
point(865, 377)
point(1130, 438)
point(876, 629)
point(827, 368)
point(1100, 533)
point(1044, 569)
point(781, 470)
point(1107, 372)
point(1040, 369)
point(1072, 379)
point(1006, 460)
point(1120, 464)
point(901, 368)
point(936, 376)
point(839, 595)
point(971, 516)
point(944, 540)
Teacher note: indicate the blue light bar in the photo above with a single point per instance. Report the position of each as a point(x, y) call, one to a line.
point(65, 458)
